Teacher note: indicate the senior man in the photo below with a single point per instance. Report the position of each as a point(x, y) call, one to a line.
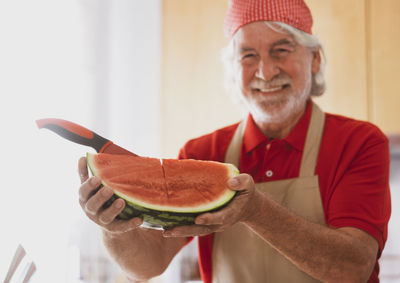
point(313, 201)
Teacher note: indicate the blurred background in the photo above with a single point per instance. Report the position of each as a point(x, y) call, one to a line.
point(147, 75)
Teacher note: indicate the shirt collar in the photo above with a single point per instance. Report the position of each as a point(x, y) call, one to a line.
point(253, 137)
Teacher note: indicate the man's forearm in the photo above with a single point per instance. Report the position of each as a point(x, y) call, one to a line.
point(341, 255)
point(142, 253)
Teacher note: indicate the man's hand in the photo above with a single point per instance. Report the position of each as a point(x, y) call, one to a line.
point(242, 207)
point(92, 203)
point(141, 253)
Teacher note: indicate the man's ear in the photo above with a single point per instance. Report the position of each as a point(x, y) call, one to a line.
point(316, 61)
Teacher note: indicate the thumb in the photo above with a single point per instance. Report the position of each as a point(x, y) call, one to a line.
point(82, 169)
point(240, 182)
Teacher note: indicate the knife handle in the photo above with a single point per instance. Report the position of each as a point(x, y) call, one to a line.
point(78, 134)
point(53, 124)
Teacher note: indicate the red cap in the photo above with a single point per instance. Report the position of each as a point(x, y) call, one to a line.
point(292, 12)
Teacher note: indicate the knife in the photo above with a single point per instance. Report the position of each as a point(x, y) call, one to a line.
point(78, 134)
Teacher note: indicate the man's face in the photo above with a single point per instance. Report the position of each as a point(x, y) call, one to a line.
point(274, 73)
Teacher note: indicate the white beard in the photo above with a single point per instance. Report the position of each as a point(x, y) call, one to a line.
point(279, 108)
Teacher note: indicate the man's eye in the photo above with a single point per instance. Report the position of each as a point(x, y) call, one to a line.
point(248, 56)
point(282, 50)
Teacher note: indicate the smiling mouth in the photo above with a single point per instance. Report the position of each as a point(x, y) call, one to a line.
point(272, 89)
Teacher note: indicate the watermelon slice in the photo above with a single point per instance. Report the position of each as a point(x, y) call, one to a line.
point(164, 193)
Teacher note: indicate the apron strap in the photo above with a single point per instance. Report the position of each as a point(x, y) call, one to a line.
point(311, 145)
point(232, 154)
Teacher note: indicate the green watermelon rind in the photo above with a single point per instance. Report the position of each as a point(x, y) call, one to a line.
point(162, 217)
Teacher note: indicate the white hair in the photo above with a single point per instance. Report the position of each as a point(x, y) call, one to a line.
point(305, 39)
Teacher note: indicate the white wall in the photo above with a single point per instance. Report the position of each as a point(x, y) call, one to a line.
point(94, 62)
point(123, 48)
point(40, 76)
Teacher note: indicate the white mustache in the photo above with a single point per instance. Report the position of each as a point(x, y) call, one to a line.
point(275, 82)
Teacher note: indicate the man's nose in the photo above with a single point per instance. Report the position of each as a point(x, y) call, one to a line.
point(267, 69)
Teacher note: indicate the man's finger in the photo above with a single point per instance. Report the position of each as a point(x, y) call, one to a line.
point(122, 226)
point(95, 202)
point(88, 188)
point(215, 218)
point(240, 182)
point(82, 169)
point(108, 215)
point(188, 231)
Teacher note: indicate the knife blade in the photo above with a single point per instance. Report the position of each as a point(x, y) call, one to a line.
point(81, 135)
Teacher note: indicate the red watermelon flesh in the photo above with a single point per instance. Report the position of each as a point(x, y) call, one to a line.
point(195, 183)
point(171, 185)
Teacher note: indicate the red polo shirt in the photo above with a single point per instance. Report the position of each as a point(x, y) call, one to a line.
point(352, 166)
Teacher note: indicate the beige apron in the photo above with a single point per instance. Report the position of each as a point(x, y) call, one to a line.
point(239, 255)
